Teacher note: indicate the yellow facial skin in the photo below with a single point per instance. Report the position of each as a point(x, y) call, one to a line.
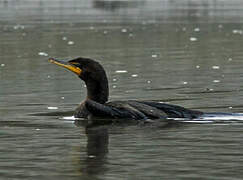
point(70, 67)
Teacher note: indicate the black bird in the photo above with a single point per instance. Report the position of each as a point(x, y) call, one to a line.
point(97, 105)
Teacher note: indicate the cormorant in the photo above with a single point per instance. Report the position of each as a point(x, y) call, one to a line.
point(97, 105)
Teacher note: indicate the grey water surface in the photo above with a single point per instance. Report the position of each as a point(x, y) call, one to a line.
point(184, 52)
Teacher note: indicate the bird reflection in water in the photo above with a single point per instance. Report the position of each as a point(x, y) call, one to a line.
point(97, 149)
point(96, 159)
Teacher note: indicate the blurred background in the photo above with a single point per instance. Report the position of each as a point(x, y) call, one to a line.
point(185, 52)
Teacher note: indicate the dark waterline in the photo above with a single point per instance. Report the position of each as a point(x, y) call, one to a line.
point(185, 52)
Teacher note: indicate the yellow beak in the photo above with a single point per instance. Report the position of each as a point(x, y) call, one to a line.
point(70, 67)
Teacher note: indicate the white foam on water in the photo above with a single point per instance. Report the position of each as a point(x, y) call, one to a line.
point(69, 118)
point(224, 119)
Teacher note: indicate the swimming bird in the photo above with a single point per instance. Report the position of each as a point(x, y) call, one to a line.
point(96, 104)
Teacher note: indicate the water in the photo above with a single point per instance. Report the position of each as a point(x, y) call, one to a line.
point(187, 53)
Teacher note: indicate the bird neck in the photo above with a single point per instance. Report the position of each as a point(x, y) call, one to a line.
point(98, 90)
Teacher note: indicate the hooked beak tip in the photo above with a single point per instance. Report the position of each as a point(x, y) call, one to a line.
point(51, 60)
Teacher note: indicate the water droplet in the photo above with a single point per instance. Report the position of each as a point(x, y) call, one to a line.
point(154, 55)
point(48, 76)
point(148, 82)
point(230, 59)
point(70, 42)
point(2, 65)
point(230, 107)
point(124, 30)
point(18, 26)
point(37, 129)
point(220, 26)
point(215, 67)
point(62, 97)
point(209, 89)
point(114, 86)
point(197, 29)
point(52, 108)
point(216, 81)
point(42, 54)
point(193, 39)
point(91, 28)
point(184, 29)
point(237, 31)
point(197, 66)
point(134, 75)
point(185, 82)
point(64, 38)
point(121, 71)
point(91, 156)
point(105, 32)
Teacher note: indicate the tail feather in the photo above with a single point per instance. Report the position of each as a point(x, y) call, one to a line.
point(174, 111)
